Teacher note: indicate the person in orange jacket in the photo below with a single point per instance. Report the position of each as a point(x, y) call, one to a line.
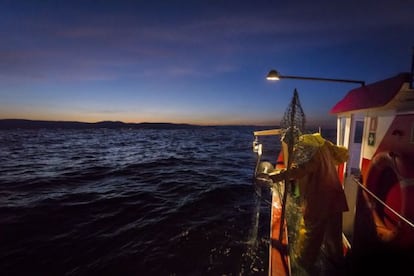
point(323, 198)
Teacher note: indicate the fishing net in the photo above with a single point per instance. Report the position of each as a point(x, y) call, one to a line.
point(294, 117)
point(293, 126)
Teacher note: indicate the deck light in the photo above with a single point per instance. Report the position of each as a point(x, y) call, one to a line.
point(274, 75)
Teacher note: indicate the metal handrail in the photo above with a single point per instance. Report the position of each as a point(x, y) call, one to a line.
point(411, 224)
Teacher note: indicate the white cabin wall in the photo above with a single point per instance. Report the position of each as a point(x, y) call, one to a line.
point(347, 131)
point(383, 124)
point(338, 131)
point(343, 132)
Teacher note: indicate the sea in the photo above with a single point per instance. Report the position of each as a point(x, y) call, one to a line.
point(133, 202)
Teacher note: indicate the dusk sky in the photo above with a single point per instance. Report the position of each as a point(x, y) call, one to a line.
point(199, 62)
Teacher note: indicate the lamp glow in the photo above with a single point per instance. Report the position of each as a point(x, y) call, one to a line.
point(273, 75)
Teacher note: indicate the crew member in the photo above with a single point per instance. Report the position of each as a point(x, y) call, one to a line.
point(323, 197)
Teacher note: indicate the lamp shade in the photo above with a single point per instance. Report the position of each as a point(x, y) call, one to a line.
point(273, 75)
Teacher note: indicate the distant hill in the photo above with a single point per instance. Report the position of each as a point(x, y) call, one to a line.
point(36, 124)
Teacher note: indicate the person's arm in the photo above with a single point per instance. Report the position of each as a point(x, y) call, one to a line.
point(296, 171)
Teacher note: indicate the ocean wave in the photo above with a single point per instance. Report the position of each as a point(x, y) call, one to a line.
point(93, 202)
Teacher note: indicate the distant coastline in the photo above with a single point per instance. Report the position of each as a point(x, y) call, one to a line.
point(40, 124)
point(47, 124)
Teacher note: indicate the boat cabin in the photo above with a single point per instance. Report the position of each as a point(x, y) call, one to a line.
point(376, 123)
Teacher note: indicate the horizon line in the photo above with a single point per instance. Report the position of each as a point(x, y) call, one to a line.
point(154, 123)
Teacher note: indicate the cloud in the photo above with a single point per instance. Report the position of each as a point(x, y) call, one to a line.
point(85, 45)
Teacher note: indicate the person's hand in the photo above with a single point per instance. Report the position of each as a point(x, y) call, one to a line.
point(278, 176)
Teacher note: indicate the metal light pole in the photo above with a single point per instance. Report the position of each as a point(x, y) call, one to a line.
point(274, 75)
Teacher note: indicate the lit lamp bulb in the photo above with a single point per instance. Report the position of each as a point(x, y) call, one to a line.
point(273, 75)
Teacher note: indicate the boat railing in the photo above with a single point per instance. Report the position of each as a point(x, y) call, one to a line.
point(267, 132)
point(371, 194)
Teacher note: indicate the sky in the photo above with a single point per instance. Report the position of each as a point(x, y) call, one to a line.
point(198, 62)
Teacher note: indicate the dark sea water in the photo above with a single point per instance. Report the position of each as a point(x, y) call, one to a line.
point(131, 202)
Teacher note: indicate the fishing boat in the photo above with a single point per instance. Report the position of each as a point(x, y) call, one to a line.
point(375, 122)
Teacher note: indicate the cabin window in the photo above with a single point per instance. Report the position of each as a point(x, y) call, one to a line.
point(359, 130)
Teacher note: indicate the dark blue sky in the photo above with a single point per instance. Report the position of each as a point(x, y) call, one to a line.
point(201, 62)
